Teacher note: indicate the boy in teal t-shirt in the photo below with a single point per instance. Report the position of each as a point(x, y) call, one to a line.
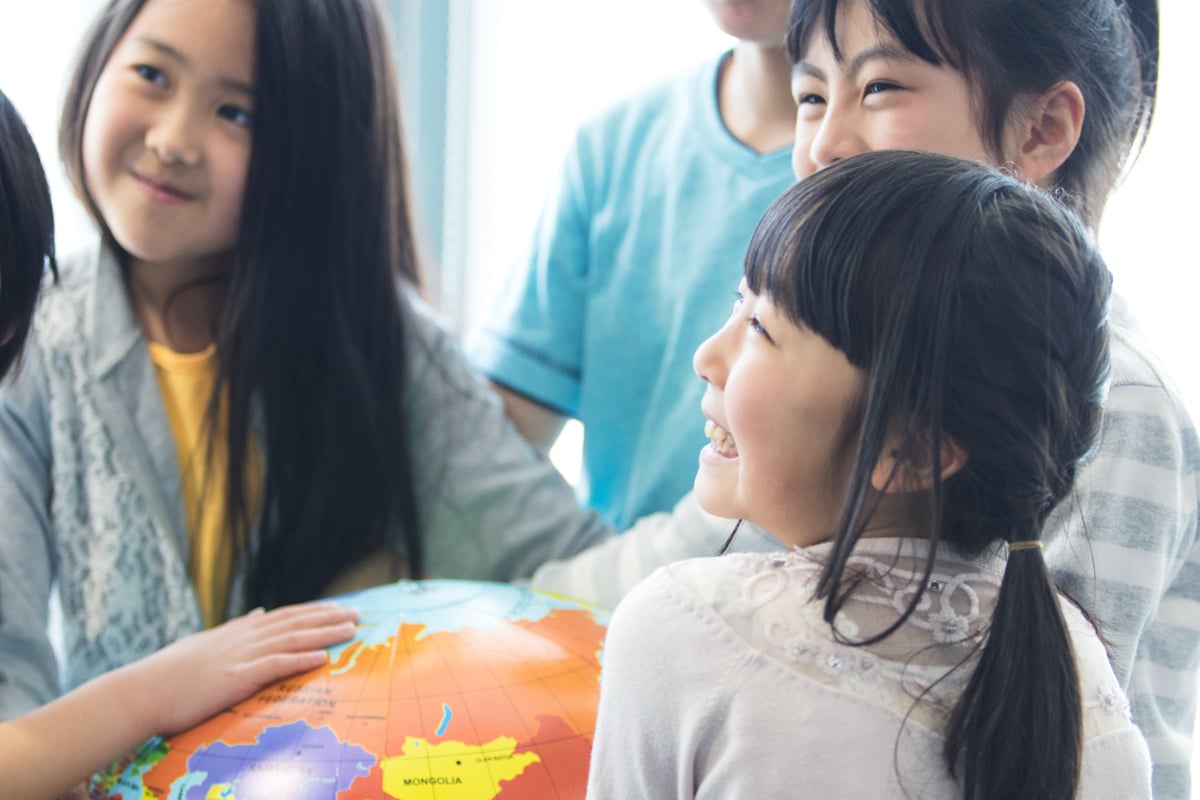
point(630, 261)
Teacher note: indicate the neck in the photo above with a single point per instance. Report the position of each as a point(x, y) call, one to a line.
point(755, 96)
point(178, 304)
point(897, 516)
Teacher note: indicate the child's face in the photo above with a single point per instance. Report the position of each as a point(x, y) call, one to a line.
point(879, 97)
point(777, 401)
point(166, 144)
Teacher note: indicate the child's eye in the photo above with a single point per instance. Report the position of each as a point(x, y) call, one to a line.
point(738, 299)
point(757, 327)
point(237, 115)
point(151, 74)
point(809, 99)
point(879, 87)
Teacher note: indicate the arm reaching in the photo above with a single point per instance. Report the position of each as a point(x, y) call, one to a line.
point(539, 424)
point(603, 574)
point(53, 748)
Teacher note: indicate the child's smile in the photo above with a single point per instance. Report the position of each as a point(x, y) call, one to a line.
point(162, 191)
point(722, 440)
point(776, 408)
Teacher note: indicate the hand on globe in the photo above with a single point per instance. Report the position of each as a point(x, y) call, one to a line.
point(457, 688)
point(200, 675)
point(51, 749)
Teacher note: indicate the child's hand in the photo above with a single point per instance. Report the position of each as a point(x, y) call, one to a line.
point(188, 681)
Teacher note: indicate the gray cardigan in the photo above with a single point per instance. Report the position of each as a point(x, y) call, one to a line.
point(91, 512)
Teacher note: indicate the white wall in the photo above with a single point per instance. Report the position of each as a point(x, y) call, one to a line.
point(37, 42)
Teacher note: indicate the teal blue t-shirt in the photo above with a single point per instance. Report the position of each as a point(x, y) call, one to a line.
point(635, 262)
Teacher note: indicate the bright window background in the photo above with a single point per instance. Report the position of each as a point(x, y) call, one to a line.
point(536, 68)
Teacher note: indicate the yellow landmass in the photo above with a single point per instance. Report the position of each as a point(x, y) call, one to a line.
point(454, 770)
point(219, 791)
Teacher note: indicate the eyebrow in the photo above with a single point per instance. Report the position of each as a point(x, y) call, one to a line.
point(888, 52)
point(174, 54)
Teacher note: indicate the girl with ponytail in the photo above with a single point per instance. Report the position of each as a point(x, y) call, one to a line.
point(909, 381)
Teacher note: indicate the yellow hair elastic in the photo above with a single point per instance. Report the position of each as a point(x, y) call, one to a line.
point(1031, 544)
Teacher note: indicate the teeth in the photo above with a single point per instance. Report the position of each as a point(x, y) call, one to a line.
point(722, 440)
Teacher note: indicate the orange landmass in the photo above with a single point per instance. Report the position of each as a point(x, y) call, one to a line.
point(537, 682)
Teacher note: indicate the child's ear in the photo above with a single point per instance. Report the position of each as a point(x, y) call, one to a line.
point(1046, 131)
point(915, 473)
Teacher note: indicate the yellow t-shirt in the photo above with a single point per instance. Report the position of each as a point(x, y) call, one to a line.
point(186, 381)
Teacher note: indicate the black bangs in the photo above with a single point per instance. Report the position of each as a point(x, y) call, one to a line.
point(1018, 49)
point(848, 253)
point(928, 29)
point(807, 255)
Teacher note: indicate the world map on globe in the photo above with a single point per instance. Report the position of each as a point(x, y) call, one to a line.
point(454, 690)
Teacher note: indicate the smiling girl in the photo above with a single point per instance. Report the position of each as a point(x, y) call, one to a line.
point(54, 747)
point(909, 380)
point(237, 398)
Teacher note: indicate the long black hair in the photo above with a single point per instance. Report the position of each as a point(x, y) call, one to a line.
point(975, 305)
point(312, 336)
point(26, 232)
point(1020, 48)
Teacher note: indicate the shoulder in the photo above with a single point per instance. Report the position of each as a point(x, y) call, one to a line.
point(674, 111)
point(428, 330)
point(1116, 760)
point(451, 410)
point(62, 331)
point(86, 315)
point(432, 352)
point(740, 606)
point(730, 587)
point(435, 364)
point(1148, 448)
point(683, 599)
point(679, 89)
point(65, 300)
point(77, 269)
point(1106, 708)
point(1139, 382)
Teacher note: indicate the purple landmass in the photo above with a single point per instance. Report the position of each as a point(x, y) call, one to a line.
point(294, 760)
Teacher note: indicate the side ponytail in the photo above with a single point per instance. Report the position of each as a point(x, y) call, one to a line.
point(1015, 731)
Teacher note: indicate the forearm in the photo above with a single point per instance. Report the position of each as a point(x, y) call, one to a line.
point(603, 574)
point(57, 746)
point(492, 508)
point(538, 424)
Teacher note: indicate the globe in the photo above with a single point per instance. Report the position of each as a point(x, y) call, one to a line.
point(455, 690)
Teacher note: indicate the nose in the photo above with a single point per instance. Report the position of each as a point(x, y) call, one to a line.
point(175, 137)
point(836, 138)
point(712, 358)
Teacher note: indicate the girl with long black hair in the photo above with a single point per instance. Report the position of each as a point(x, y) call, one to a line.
point(238, 398)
